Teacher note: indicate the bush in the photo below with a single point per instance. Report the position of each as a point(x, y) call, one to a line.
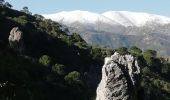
point(21, 20)
point(45, 60)
point(73, 77)
point(59, 69)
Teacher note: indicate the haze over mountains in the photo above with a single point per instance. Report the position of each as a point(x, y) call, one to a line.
point(119, 28)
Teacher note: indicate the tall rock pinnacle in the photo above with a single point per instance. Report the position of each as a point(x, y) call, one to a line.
point(120, 75)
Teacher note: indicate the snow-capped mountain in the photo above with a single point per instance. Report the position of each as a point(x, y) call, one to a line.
point(118, 28)
point(124, 18)
point(79, 16)
point(135, 19)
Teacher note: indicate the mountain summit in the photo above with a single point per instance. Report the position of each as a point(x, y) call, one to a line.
point(124, 18)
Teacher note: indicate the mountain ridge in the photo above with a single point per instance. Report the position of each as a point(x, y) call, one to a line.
point(148, 31)
point(124, 18)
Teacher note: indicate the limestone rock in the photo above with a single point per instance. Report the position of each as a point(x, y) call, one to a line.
point(16, 39)
point(119, 77)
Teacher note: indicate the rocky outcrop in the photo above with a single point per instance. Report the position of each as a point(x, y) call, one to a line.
point(120, 75)
point(16, 39)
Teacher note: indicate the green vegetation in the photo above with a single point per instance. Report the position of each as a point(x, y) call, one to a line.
point(135, 51)
point(44, 60)
point(26, 10)
point(59, 69)
point(53, 65)
point(122, 50)
point(58, 66)
point(21, 20)
point(73, 77)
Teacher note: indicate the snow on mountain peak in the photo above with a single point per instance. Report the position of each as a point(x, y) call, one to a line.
point(124, 18)
point(127, 18)
point(69, 17)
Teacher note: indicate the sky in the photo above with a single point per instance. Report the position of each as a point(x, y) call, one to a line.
point(160, 7)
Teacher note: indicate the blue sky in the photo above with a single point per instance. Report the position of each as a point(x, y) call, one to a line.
point(161, 7)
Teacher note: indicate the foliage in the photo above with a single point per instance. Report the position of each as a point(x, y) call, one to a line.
point(26, 10)
point(166, 68)
point(3, 3)
point(73, 77)
point(59, 69)
point(23, 77)
point(39, 17)
point(146, 71)
point(135, 51)
point(44, 60)
point(122, 50)
point(7, 4)
point(150, 53)
point(149, 56)
point(21, 20)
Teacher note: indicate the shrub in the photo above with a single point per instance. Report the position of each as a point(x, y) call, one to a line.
point(146, 71)
point(73, 77)
point(59, 69)
point(21, 20)
point(45, 60)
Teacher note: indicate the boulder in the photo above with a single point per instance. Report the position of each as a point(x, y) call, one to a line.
point(16, 39)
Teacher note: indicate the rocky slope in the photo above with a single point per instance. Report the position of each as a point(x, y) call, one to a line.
point(120, 76)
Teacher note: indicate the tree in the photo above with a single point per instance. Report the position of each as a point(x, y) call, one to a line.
point(26, 10)
point(73, 77)
point(135, 51)
point(2, 2)
point(149, 56)
point(166, 68)
point(38, 17)
point(150, 53)
point(122, 50)
point(7, 4)
point(44, 60)
point(146, 71)
point(96, 52)
point(77, 38)
point(59, 69)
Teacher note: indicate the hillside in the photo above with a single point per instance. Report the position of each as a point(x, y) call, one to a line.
point(41, 61)
point(120, 28)
point(51, 63)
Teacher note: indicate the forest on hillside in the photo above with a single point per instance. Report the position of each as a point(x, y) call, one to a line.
point(48, 64)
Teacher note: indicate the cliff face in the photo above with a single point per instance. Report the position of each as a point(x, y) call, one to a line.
point(120, 75)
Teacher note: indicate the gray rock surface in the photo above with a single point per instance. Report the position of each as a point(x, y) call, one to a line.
point(119, 77)
point(16, 39)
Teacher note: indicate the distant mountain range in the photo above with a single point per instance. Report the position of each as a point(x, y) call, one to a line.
point(119, 28)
